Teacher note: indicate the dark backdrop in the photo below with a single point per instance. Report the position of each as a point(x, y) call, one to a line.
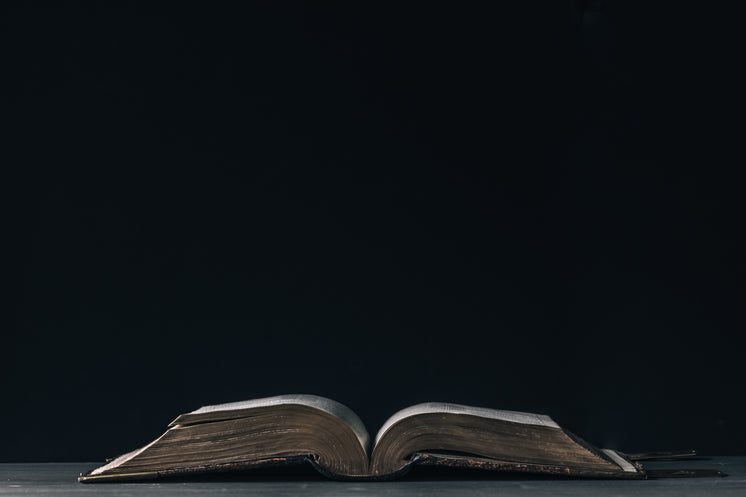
point(531, 207)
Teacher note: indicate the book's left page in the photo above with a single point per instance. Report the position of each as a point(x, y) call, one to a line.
point(244, 434)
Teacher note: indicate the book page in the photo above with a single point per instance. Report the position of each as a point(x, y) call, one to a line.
point(321, 403)
point(483, 412)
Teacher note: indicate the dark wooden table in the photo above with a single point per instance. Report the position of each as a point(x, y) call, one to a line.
point(60, 479)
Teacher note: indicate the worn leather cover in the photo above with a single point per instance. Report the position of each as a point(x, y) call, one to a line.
point(481, 463)
point(418, 459)
point(197, 470)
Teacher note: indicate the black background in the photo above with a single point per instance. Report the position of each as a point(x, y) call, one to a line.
point(534, 206)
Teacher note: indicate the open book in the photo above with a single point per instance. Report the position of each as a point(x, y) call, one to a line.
point(311, 429)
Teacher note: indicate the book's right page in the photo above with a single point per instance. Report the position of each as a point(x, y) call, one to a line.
point(453, 435)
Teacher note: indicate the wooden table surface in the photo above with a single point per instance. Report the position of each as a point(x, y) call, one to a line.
point(60, 479)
